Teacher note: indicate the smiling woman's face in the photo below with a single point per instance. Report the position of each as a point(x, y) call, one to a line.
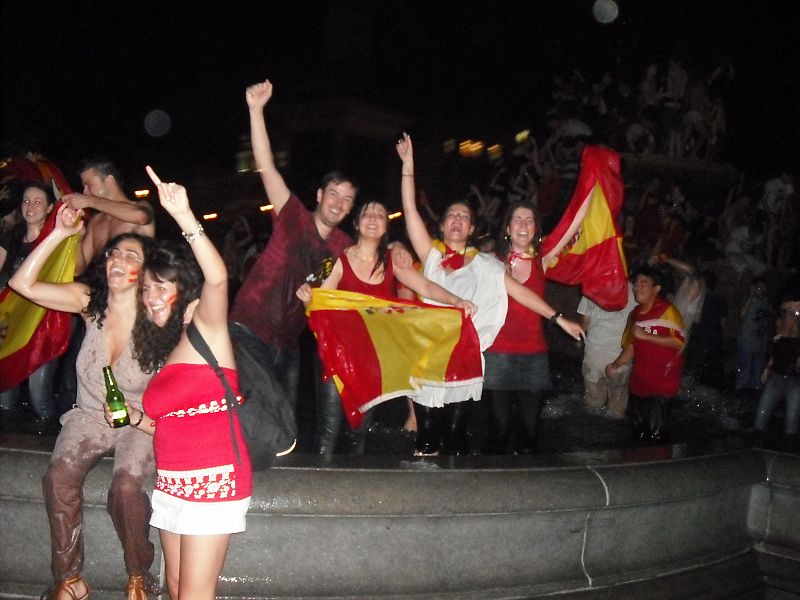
point(158, 298)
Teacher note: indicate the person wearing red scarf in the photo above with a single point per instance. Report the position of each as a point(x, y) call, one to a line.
point(441, 418)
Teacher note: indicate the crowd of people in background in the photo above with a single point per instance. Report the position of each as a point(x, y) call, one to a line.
point(709, 249)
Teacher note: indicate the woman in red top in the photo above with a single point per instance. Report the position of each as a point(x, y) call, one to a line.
point(367, 268)
point(517, 370)
point(202, 493)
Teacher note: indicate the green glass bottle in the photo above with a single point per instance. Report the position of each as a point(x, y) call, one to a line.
point(115, 400)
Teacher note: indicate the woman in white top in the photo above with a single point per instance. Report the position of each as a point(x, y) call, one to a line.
point(471, 275)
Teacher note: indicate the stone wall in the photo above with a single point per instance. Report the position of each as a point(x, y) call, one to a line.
point(717, 526)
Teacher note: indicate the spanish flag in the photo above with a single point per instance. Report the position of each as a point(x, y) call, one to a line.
point(586, 246)
point(31, 336)
point(377, 349)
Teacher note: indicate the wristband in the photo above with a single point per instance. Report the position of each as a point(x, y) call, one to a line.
point(196, 235)
point(139, 422)
point(555, 317)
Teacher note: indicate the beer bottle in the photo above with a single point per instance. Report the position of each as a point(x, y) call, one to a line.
point(115, 400)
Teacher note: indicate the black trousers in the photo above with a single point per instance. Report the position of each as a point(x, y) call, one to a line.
point(649, 416)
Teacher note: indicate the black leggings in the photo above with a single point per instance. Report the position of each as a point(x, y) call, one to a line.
point(513, 419)
point(442, 429)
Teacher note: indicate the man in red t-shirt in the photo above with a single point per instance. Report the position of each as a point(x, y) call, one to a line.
point(653, 339)
point(267, 317)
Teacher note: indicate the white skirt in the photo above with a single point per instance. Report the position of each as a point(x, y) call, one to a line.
point(184, 517)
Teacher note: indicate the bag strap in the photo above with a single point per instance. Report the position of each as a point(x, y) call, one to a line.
point(200, 344)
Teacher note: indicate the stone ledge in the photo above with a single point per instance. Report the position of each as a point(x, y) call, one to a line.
point(367, 530)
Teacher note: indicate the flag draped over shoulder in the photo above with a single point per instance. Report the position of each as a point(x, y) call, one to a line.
point(377, 349)
point(31, 336)
point(586, 246)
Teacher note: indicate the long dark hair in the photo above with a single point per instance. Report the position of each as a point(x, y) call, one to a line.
point(168, 261)
point(503, 246)
point(383, 243)
point(95, 276)
point(15, 240)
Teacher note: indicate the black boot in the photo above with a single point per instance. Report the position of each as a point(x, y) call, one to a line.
point(454, 429)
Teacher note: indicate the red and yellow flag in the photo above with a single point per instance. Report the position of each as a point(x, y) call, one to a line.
point(31, 336)
point(377, 349)
point(586, 246)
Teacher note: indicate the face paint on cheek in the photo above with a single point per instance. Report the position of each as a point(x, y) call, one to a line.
point(134, 277)
point(171, 300)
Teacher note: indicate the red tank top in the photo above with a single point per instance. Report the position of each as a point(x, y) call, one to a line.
point(522, 333)
point(351, 283)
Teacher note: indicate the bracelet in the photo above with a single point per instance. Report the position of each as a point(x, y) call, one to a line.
point(141, 416)
point(193, 237)
point(555, 317)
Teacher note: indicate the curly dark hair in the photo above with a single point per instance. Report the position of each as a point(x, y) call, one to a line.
point(503, 246)
point(95, 276)
point(167, 261)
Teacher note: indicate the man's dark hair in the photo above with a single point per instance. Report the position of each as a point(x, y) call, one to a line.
point(104, 168)
point(337, 177)
point(658, 276)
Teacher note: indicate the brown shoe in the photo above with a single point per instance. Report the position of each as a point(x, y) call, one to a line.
point(135, 590)
point(66, 590)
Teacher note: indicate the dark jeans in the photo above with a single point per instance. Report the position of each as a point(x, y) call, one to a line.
point(285, 362)
point(40, 392)
point(650, 417)
point(513, 419)
point(330, 416)
point(68, 389)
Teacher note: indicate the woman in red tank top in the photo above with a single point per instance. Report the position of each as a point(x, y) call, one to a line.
point(367, 268)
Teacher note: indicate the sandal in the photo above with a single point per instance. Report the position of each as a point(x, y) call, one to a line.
point(65, 587)
point(135, 590)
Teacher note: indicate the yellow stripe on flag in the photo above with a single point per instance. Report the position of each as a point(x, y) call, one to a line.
point(21, 315)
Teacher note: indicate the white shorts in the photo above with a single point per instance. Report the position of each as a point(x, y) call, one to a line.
point(198, 518)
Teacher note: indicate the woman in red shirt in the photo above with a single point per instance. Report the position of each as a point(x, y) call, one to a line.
point(367, 268)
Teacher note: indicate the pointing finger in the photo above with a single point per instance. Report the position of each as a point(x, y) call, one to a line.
point(152, 175)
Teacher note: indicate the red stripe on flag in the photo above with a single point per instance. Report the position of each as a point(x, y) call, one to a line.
point(343, 341)
point(464, 359)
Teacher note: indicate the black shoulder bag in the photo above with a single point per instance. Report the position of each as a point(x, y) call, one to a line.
point(266, 434)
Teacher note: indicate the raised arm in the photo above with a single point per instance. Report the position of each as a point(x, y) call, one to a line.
point(257, 96)
point(212, 310)
point(418, 234)
point(536, 303)
point(68, 297)
point(413, 279)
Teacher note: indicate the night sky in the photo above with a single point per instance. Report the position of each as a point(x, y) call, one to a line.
point(79, 77)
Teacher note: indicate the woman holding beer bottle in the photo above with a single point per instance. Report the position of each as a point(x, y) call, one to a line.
point(106, 298)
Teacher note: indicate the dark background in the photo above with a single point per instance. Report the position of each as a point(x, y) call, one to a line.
point(79, 77)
